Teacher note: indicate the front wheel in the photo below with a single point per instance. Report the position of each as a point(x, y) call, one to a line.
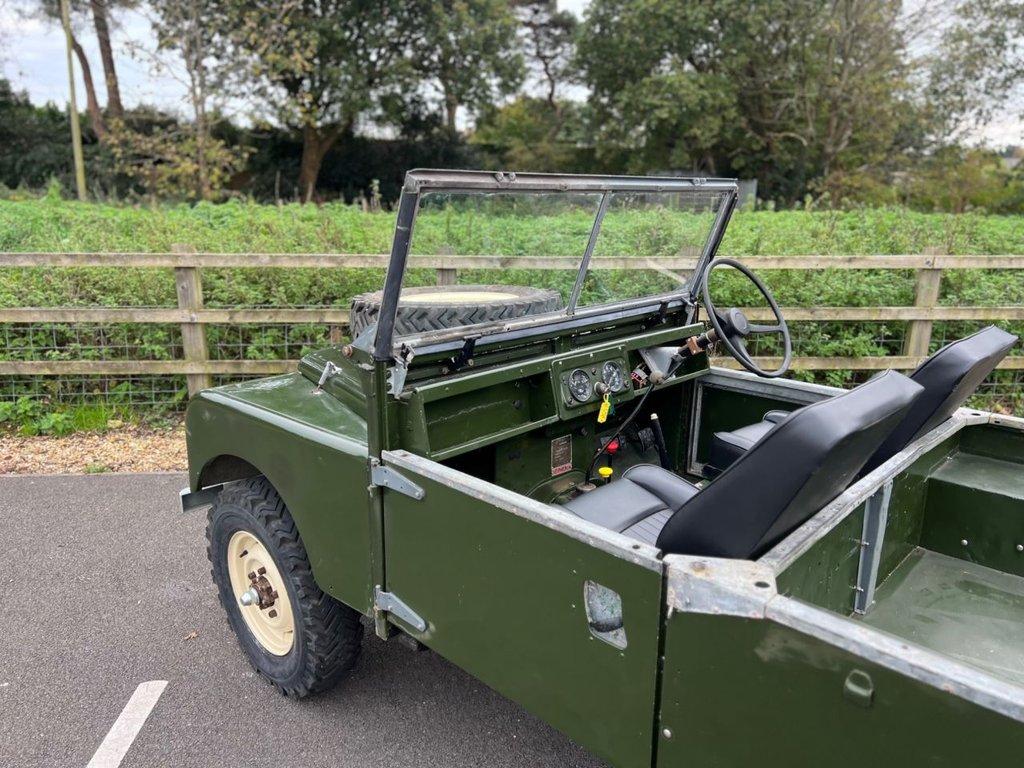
point(295, 635)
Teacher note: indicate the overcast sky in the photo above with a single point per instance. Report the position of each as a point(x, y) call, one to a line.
point(34, 60)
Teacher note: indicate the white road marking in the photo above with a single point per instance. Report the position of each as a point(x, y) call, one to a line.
point(128, 724)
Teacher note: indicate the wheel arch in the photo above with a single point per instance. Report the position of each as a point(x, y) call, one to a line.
point(226, 468)
point(313, 470)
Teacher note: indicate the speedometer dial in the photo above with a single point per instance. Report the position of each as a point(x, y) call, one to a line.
point(579, 385)
point(613, 376)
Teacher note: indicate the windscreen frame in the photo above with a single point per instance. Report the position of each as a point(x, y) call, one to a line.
point(418, 182)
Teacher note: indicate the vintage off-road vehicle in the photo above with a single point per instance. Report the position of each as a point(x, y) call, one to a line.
point(674, 564)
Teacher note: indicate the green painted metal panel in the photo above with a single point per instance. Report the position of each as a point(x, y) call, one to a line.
point(503, 598)
point(826, 573)
point(312, 448)
point(999, 442)
point(741, 692)
point(963, 610)
point(978, 500)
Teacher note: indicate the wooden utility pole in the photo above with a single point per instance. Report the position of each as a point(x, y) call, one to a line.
point(76, 128)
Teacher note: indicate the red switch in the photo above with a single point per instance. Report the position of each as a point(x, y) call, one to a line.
point(612, 447)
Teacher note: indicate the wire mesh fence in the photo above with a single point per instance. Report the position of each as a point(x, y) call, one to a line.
point(278, 289)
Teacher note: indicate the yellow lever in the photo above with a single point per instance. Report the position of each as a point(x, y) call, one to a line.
point(605, 472)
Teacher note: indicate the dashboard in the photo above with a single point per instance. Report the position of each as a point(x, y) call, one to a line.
point(447, 417)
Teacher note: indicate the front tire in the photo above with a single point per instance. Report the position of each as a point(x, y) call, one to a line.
point(295, 635)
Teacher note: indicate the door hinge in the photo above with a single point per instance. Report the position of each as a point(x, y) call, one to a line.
point(389, 602)
point(386, 477)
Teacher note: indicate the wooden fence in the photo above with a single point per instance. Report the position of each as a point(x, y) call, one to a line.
point(193, 316)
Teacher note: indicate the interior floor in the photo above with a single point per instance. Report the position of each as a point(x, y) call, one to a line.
point(961, 609)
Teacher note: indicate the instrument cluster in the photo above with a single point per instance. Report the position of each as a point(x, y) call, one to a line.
point(581, 384)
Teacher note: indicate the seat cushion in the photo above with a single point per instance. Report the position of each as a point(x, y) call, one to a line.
point(642, 493)
point(647, 530)
point(727, 447)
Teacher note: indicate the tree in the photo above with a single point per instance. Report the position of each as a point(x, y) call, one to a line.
point(548, 36)
point(979, 63)
point(163, 157)
point(101, 23)
point(191, 29)
point(34, 140)
point(468, 48)
point(99, 12)
point(787, 91)
point(531, 133)
point(320, 65)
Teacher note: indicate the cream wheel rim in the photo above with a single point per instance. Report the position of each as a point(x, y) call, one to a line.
point(260, 591)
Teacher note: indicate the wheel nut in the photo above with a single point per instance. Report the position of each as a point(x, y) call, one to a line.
point(272, 613)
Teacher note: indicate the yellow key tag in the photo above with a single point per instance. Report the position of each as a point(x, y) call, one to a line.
point(602, 413)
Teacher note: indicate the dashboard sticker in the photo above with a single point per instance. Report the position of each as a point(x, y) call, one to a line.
point(561, 455)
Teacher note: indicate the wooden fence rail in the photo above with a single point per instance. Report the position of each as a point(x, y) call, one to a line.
point(193, 316)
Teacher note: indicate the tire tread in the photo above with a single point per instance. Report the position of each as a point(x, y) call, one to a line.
point(332, 632)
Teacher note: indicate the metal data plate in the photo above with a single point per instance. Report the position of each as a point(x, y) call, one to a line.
point(561, 455)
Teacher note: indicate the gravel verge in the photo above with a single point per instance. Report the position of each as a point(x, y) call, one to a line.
point(127, 449)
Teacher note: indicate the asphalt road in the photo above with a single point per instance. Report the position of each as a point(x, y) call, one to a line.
point(105, 585)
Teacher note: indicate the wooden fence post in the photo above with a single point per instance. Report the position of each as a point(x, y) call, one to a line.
point(193, 334)
point(926, 294)
point(446, 276)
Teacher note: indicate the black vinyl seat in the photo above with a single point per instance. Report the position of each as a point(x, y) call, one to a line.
point(727, 447)
point(802, 464)
point(949, 377)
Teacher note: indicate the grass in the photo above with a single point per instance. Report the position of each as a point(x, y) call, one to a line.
point(54, 225)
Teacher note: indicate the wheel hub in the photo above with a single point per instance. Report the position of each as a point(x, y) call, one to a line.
point(259, 588)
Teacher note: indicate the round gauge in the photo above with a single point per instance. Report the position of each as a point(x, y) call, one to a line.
point(579, 385)
point(612, 375)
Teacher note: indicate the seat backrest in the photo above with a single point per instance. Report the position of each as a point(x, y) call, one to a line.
point(949, 377)
point(791, 473)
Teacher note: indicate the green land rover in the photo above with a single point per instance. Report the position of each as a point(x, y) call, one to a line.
point(533, 470)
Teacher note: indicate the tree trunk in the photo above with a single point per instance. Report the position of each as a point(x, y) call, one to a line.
point(100, 21)
point(316, 143)
point(451, 109)
point(92, 104)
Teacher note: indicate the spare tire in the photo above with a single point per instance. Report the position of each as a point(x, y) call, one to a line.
point(431, 308)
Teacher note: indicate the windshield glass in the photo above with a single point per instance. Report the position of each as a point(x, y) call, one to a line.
point(482, 259)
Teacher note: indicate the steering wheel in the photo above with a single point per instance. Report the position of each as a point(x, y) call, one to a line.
point(732, 326)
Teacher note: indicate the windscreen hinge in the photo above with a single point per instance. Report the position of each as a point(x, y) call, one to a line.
point(386, 477)
point(389, 602)
point(663, 312)
point(398, 372)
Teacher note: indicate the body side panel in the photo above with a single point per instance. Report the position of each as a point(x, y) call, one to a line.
point(500, 582)
point(738, 692)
